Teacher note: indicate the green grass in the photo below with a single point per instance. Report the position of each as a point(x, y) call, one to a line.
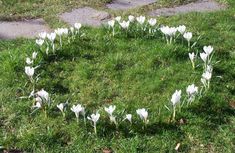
point(131, 73)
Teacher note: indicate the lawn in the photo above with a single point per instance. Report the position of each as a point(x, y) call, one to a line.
point(131, 72)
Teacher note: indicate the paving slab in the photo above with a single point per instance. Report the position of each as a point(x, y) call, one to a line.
point(198, 6)
point(128, 4)
point(25, 29)
point(86, 15)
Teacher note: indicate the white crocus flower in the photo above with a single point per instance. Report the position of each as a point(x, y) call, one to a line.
point(131, 18)
point(192, 57)
point(62, 31)
point(128, 117)
point(175, 99)
point(59, 31)
point(43, 95)
point(111, 23)
point(164, 29)
point(78, 26)
point(78, 109)
point(34, 55)
point(168, 31)
point(143, 114)
point(37, 105)
point(61, 107)
point(207, 75)
point(38, 99)
point(65, 31)
point(39, 42)
point(152, 22)
point(208, 49)
point(110, 109)
point(172, 31)
point(140, 19)
point(94, 118)
point(42, 35)
point(188, 36)
point(29, 61)
point(125, 24)
point(181, 29)
point(71, 30)
point(192, 90)
point(51, 36)
point(204, 57)
point(118, 18)
point(29, 71)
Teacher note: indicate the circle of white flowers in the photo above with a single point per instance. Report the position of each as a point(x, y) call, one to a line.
point(51, 42)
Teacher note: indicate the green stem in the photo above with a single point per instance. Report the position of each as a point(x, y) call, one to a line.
point(53, 47)
point(193, 65)
point(174, 112)
point(170, 40)
point(113, 32)
point(188, 45)
point(63, 114)
point(45, 112)
point(167, 41)
point(60, 42)
point(95, 128)
point(77, 120)
point(84, 118)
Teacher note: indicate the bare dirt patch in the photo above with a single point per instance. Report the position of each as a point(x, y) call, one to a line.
point(86, 15)
point(128, 4)
point(198, 6)
point(25, 29)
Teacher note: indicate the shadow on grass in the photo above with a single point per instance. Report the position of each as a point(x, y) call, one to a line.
point(129, 131)
point(214, 110)
point(77, 49)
